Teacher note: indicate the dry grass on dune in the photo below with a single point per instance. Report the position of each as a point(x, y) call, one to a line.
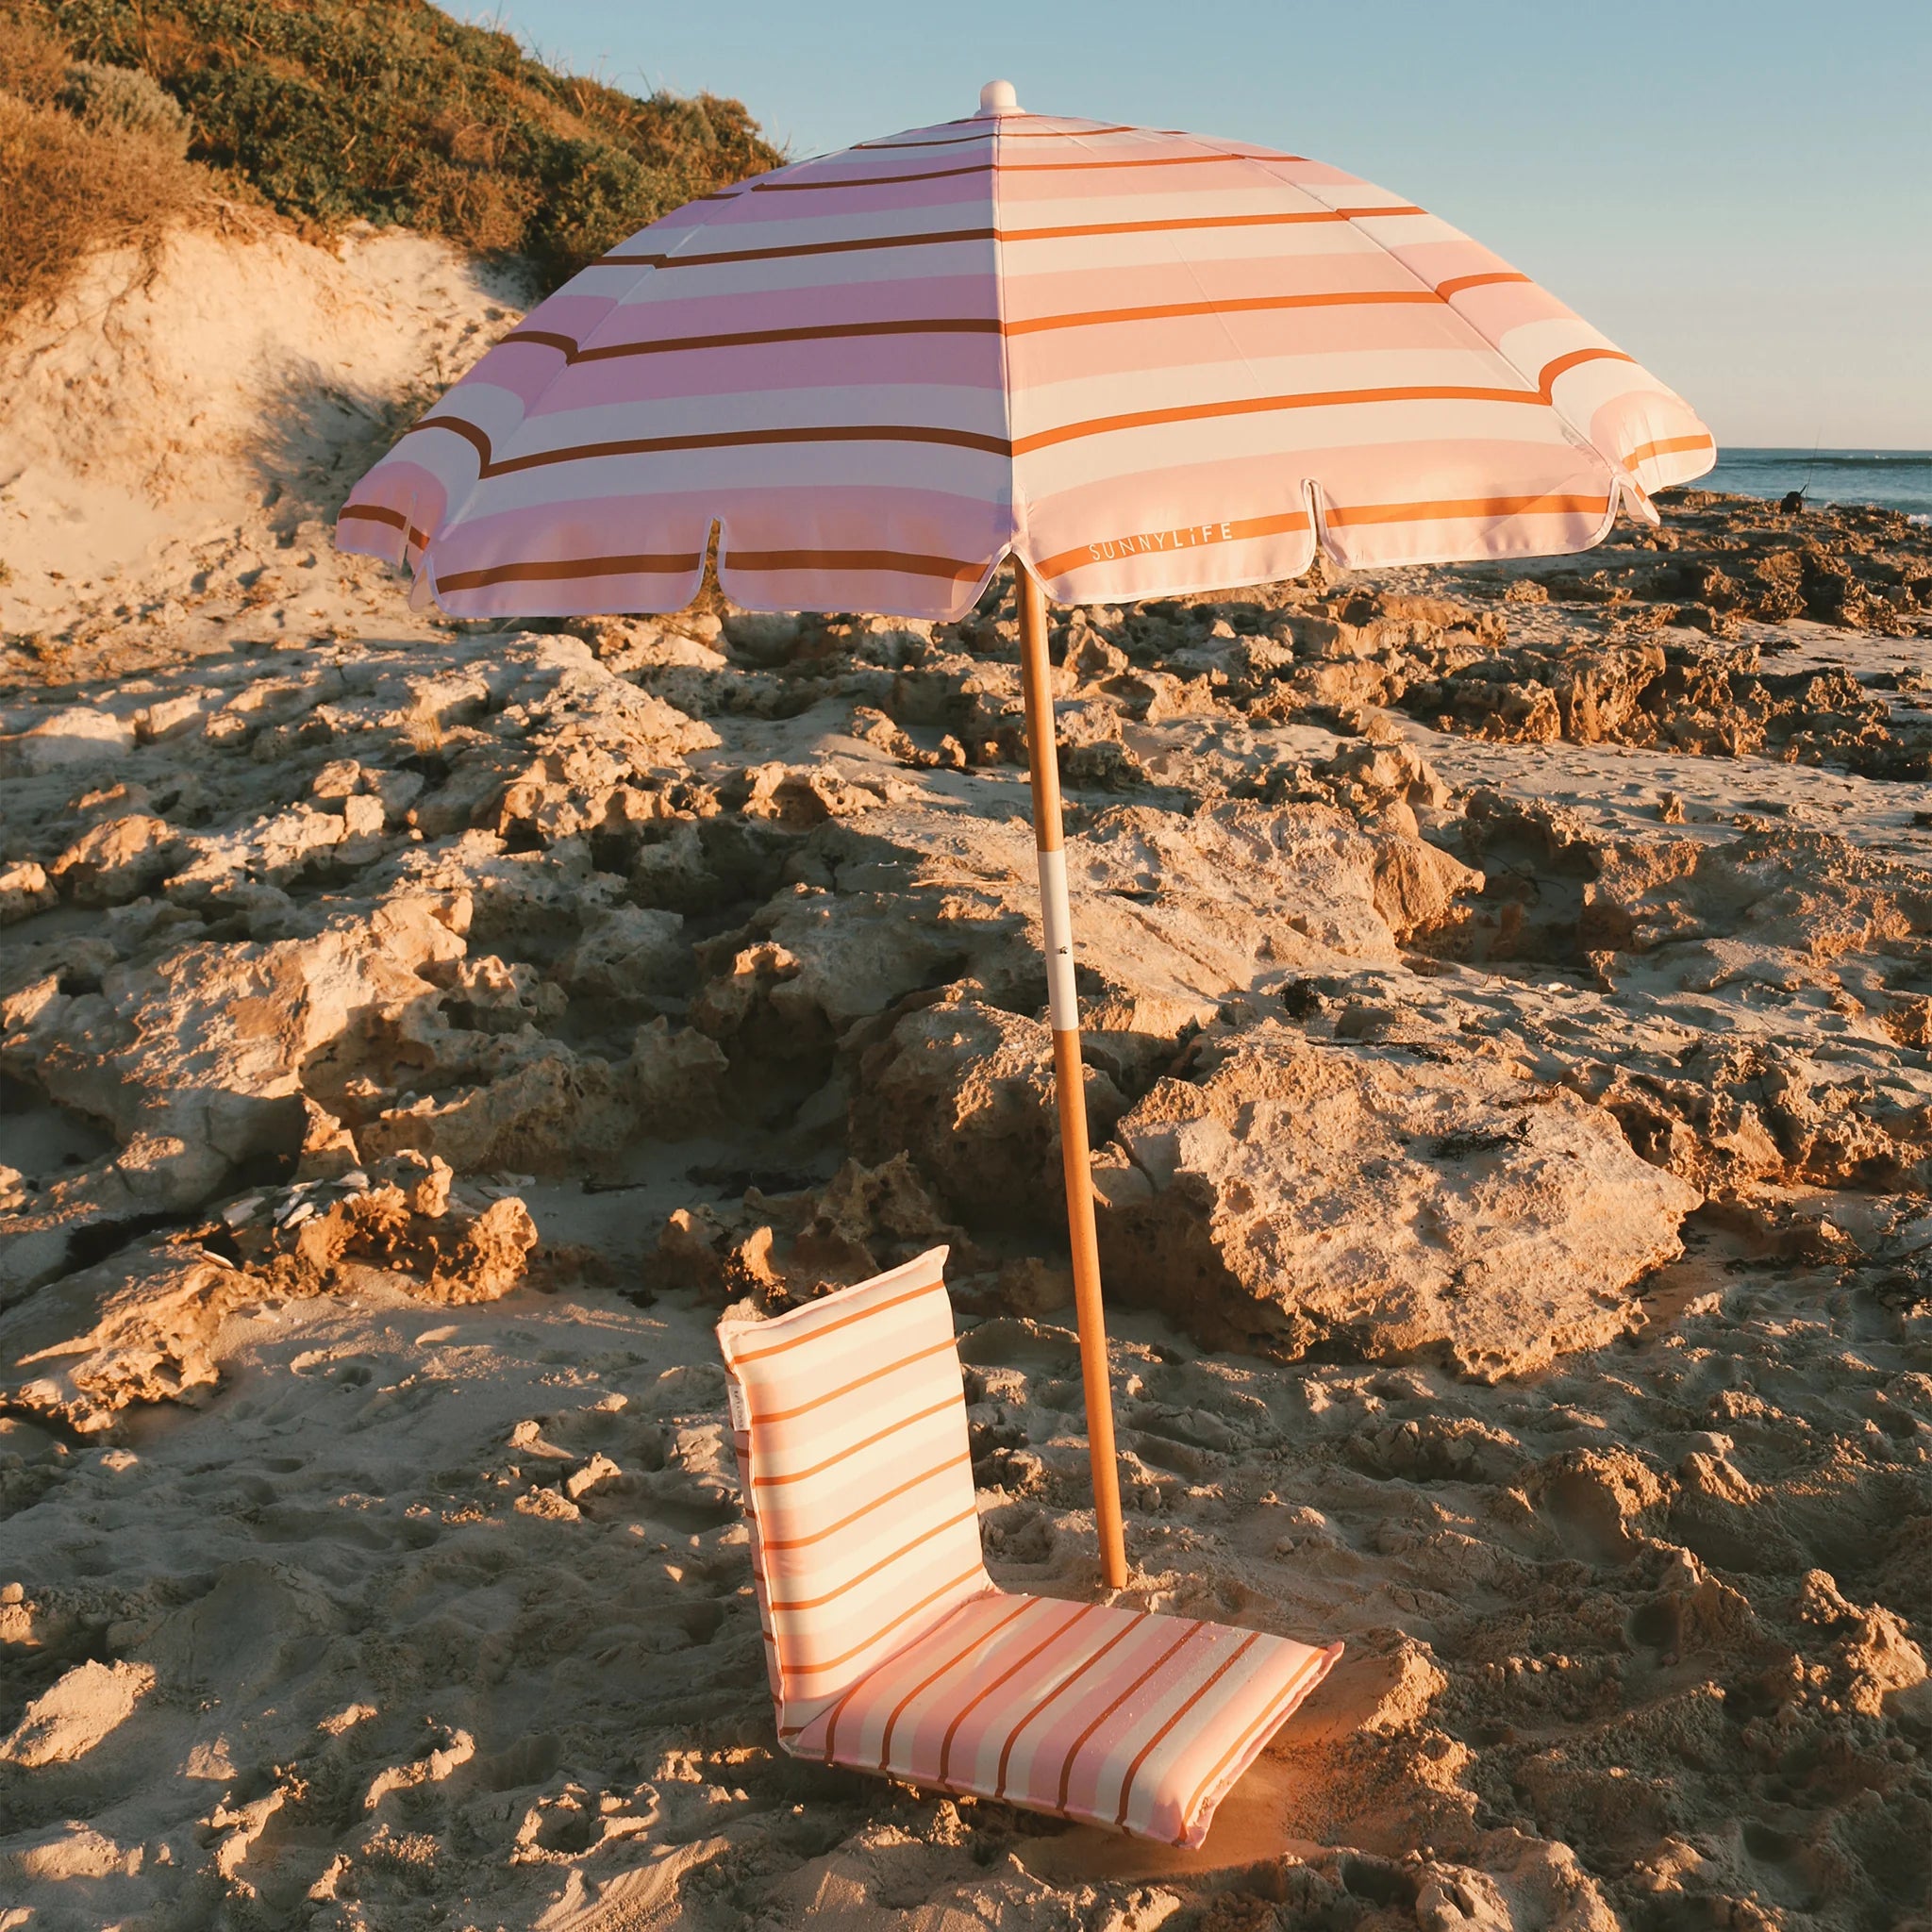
point(69, 189)
point(90, 157)
point(33, 64)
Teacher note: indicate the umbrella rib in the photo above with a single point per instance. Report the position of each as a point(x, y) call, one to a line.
point(1015, 500)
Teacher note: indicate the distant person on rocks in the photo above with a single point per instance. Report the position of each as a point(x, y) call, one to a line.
point(1794, 503)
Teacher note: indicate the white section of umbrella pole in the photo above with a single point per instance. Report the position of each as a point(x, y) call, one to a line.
point(1069, 1084)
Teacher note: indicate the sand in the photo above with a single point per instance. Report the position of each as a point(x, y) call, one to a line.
point(1507, 994)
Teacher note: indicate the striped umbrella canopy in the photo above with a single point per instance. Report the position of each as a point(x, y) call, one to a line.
point(1143, 362)
point(1138, 362)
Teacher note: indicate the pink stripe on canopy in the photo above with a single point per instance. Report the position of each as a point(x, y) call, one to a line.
point(1143, 362)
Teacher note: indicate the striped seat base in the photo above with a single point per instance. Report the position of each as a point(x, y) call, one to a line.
point(1113, 1717)
point(889, 1648)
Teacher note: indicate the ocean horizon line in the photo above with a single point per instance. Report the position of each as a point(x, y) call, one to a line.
point(1826, 453)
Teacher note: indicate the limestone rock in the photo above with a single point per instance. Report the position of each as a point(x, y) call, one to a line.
point(804, 797)
point(145, 1325)
point(763, 637)
point(342, 778)
point(783, 1249)
point(967, 1091)
point(170, 717)
point(542, 900)
point(75, 738)
point(198, 1062)
point(452, 1258)
point(871, 1219)
point(632, 951)
point(1394, 1205)
point(1171, 915)
point(138, 1328)
point(1804, 891)
point(69, 1719)
point(875, 727)
point(23, 890)
point(567, 735)
point(543, 1109)
point(116, 860)
point(276, 850)
point(1416, 886)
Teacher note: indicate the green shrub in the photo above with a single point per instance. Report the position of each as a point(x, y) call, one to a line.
point(392, 111)
point(124, 98)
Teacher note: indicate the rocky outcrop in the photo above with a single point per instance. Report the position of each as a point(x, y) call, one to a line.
point(1390, 1205)
point(522, 901)
point(359, 1010)
point(196, 1063)
point(1801, 891)
point(146, 1325)
point(782, 1249)
point(967, 1089)
point(1171, 917)
point(1442, 936)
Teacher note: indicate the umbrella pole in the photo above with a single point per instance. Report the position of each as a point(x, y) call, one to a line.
point(1068, 1082)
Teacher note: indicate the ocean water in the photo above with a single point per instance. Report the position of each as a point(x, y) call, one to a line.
point(1895, 478)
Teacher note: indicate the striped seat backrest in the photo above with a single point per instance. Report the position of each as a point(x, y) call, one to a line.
point(850, 1425)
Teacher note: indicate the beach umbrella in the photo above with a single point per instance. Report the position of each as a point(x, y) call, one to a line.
point(1137, 362)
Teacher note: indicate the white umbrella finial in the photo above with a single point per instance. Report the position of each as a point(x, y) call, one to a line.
point(998, 97)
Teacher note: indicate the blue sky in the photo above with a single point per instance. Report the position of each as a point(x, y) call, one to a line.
point(1737, 191)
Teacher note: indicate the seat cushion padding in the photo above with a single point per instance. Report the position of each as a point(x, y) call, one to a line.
point(1116, 1717)
point(850, 1423)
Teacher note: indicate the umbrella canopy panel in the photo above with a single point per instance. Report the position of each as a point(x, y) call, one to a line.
point(1144, 362)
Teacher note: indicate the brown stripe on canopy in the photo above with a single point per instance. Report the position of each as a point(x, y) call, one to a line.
point(938, 236)
point(562, 570)
point(573, 351)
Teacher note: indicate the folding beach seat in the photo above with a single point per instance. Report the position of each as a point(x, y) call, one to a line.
point(890, 1647)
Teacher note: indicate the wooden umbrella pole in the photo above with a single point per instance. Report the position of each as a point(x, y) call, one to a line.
point(1068, 1082)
